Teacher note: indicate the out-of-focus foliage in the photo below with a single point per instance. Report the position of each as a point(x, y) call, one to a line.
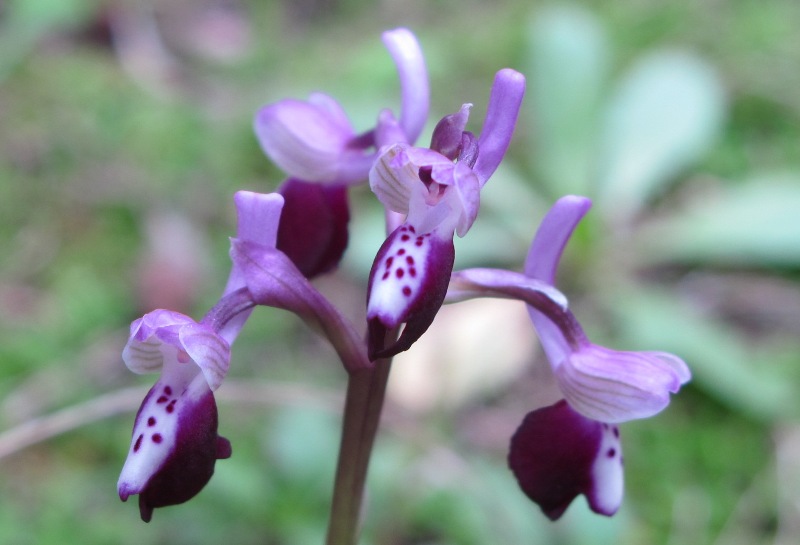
point(125, 128)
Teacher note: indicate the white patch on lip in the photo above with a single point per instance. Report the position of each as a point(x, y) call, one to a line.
point(607, 473)
point(153, 438)
point(397, 279)
point(156, 426)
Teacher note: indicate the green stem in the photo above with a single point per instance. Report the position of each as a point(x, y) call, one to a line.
point(366, 389)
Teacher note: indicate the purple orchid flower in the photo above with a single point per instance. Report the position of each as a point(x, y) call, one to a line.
point(315, 144)
point(573, 447)
point(175, 445)
point(438, 191)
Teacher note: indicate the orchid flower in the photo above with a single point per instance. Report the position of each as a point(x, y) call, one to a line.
point(573, 447)
point(315, 144)
point(175, 445)
point(438, 191)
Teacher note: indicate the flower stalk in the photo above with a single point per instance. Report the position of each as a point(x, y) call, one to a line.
point(366, 389)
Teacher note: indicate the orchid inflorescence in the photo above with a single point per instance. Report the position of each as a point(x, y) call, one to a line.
point(430, 194)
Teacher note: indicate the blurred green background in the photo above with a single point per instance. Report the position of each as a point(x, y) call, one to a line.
point(125, 129)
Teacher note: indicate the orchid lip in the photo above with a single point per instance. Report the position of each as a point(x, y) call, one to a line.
point(407, 285)
point(557, 454)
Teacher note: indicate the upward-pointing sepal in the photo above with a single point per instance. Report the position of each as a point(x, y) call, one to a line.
point(407, 285)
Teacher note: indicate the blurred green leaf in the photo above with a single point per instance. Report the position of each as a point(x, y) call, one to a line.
point(567, 66)
point(755, 223)
point(722, 362)
point(24, 22)
point(666, 114)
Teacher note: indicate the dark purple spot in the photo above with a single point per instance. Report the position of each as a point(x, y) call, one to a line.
point(151, 421)
point(167, 390)
point(162, 399)
point(157, 438)
point(411, 228)
point(616, 432)
point(399, 273)
point(406, 291)
point(605, 426)
point(418, 242)
point(401, 251)
point(611, 453)
point(171, 406)
point(385, 275)
point(409, 260)
point(405, 238)
point(389, 261)
point(138, 444)
point(413, 272)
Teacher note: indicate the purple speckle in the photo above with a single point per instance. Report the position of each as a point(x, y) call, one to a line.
point(167, 390)
point(151, 421)
point(611, 452)
point(157, 438)
point(138, 444)
point(171, 406)
point(399, 273)
point(407, 291)
point(162, 399)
